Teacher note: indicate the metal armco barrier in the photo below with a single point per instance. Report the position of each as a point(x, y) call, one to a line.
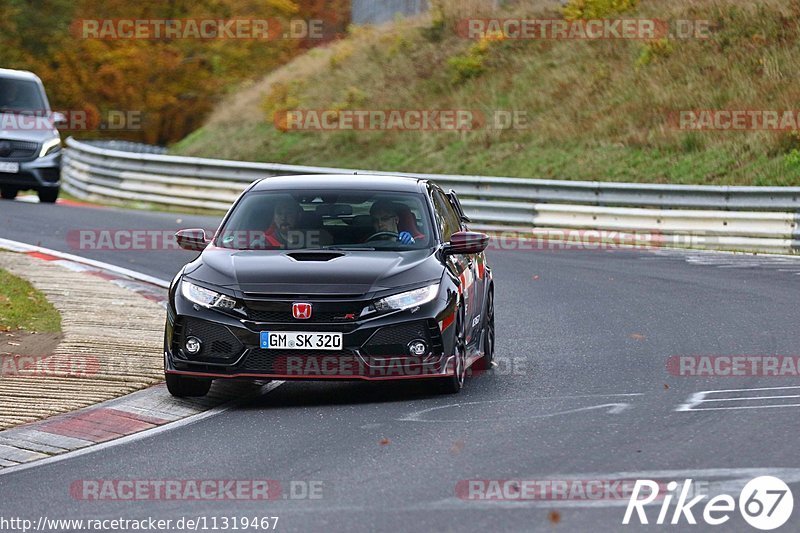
point(761, 219)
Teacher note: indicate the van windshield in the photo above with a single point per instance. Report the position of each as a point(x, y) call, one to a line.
point(21, 96)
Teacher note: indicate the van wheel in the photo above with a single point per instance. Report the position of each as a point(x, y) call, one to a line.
point(8, 193)
point(48, 196)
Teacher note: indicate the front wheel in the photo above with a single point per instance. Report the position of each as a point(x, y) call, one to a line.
point(8, 193)
point(453, 384)
point(485, 362)
point(48, 196)
point(182, 386)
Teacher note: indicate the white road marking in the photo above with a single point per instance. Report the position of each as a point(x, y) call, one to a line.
point(17, 246)
point(742, 407)
point(752, 398)
point(702, 397)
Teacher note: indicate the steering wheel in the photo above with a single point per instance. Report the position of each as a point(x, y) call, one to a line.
point(382, 235)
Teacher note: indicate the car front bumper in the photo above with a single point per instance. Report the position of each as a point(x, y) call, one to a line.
point(372, 349)
point(41, 173)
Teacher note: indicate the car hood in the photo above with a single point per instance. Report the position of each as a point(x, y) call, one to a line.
point(26, 128)
point(346, 273)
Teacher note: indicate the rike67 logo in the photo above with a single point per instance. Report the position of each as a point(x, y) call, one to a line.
point(765, 503)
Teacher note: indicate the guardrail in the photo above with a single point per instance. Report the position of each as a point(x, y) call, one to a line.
point(717, 217)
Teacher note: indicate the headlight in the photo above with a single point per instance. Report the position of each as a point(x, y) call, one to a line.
point(407, 299)
point(53, 145)
point(206, 297)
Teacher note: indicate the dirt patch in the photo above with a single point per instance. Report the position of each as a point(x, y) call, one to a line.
point(21, 342)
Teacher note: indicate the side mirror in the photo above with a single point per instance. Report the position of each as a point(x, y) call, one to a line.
point(59, 119)
point(192, 239)
point(466, 242)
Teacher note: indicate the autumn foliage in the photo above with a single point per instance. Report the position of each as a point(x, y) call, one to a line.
point(169, 84)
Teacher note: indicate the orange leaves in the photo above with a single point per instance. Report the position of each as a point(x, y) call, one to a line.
point(171, 83)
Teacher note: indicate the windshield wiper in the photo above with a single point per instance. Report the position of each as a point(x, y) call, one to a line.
point(351, 248)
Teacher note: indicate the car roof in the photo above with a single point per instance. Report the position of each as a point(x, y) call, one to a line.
point(18, 74)
point(361, 182)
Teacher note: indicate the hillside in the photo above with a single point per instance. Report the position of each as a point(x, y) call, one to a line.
point(599, 109)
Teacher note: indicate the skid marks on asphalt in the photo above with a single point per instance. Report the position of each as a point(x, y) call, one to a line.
point(779, 263)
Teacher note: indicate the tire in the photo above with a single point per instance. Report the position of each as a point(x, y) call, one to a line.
point(453, 384)
point(8, 193)
point(48, 196)
point(182, 387)
point(485, 362)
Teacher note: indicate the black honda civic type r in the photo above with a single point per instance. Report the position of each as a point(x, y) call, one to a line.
point(355, 277)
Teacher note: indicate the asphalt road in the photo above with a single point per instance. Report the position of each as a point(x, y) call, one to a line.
point(581, 392)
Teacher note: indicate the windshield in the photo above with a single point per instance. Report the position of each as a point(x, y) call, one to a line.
point(326, 219)
point(20, 96)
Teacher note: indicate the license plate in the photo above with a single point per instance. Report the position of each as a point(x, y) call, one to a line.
point(11, 168)
point(296, 340)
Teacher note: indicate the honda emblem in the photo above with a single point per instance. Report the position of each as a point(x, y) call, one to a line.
point(301, 311)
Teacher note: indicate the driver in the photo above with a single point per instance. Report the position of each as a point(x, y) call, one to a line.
point(10, 96)
point(385, 218)
point(284, 221)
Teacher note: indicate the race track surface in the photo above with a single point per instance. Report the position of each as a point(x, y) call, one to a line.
point(582, 391)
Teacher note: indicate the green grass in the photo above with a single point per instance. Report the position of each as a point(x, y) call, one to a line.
point(23, 307)
point(596, 110)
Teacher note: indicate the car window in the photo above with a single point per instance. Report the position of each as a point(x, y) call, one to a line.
point(328, 218)
point(447, 219)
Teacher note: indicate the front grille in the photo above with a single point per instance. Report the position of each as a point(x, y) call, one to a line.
point(297, 362)
point(216, 340)
point(11, 150)
point(393, 340)
point(284, 317)
point(321, 312)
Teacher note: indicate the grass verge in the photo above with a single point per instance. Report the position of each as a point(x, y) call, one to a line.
point(23, 307)
point(595, 110)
